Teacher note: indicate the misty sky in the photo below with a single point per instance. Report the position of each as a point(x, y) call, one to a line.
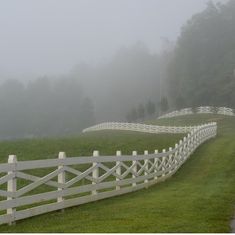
point(50, 36)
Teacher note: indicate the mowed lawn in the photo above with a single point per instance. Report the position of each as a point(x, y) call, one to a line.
point(200, 197)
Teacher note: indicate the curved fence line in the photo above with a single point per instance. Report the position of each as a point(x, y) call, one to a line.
point(77, 180)
point(122, 126)
point(201, 109)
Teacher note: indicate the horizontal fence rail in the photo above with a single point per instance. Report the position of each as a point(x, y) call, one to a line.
point(30, 188)
point(139, 128)
point(200, 110)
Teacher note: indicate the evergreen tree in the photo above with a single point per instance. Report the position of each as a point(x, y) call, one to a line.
point(132, 116)
point(164, 104)
point(141, 112)
point(151, 108)
point(202, 69)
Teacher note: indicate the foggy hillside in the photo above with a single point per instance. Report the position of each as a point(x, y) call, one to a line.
point(66, 65)
point(202, 71)
point(131, 77)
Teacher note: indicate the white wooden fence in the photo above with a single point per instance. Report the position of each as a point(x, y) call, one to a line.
point(225, 111)
point(200, 110)
point(139, 128)
point(78, 180)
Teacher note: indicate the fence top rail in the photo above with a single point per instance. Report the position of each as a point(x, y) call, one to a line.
point(48, 163)
point(5, 167)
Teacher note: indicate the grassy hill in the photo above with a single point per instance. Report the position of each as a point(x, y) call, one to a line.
point(200, 197)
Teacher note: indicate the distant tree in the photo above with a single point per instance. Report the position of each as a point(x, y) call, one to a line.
point(43, 108)
point(128, 117)
point(132, 116)
point(87, 116)
point(180, 102)
point(141, 112)
point(150, 108)
point(13, 118)
point(164, 104)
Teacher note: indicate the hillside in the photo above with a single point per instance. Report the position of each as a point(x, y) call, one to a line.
point(200, 197)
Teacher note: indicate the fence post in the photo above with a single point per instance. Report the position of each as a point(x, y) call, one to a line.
point(164, 163)
point(95, 172)
point(189, 137)
point(200, 136)
point(192, 140)
point(12, 187)
point(146, 163)
point(61, 177)
point(118, 170)
point(134, 163)
point(155, 164)
point(184, 148)
point(170, 159)
point(176, 159)
point(196, 139)
point(181, 152)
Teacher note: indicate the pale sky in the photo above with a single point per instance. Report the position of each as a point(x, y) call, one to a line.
point(40, 37)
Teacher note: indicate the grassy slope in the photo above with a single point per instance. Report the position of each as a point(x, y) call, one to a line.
point(199, 198)
point(107, 142)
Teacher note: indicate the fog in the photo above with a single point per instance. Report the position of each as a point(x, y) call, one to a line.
point(51, 36)
point(65, 65)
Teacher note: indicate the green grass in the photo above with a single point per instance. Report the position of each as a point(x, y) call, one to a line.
point(107, 142)
point(200, 197)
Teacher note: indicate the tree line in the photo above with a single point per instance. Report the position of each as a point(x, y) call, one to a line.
point(133, 86)
point(63, 105)
point(202, 70)
point(43, 108)
point(149, 110)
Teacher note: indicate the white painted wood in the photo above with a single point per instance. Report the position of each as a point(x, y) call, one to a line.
point(95, 172)
point(200, 110)
point(80, 175)
point(11, 186)
point(185, 148)
point(6, 167)
point(39, 182)
point(134, 164)
point(146, 163)
point(164, 162)
point(155, 164)
point(26, 200)
point(8, 218)
point(170, 157)
point(176, 159)
point(181, 152)
point(138, 127)
point(28, 165)
point(6, 178)
point(7, 193)
point(73, 202)
point(76, 201)
point(37, 164)
point(109, 172)
point(61, 176)
point(33, 178)
point(118, 170)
